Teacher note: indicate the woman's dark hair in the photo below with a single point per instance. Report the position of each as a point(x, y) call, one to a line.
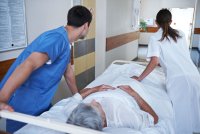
point(79, 15)
point(164, 18)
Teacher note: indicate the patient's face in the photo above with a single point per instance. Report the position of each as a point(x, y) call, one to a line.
point(97, 106)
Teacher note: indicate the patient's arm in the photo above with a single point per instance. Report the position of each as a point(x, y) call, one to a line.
point(87, 91)
point(141, 102)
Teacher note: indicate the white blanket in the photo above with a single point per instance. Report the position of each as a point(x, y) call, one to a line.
point(153, 91)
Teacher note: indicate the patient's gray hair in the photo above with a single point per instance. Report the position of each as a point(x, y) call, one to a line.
point(86, 116)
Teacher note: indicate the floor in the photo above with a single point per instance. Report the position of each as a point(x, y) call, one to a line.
point(2, 125)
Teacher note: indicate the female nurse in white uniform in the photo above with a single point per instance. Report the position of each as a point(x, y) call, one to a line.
point(169, 48)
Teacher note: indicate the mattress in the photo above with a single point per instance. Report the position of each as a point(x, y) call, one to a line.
point(154, 93)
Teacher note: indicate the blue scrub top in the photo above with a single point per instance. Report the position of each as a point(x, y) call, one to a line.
point(35, 94)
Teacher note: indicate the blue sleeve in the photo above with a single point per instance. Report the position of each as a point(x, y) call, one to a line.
point(53, 44)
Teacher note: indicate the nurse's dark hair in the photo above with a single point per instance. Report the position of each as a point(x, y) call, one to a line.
point(79, 15)
point(164, 18)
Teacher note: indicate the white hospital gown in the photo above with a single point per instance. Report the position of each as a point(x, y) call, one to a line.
point(182, 80)
point(121, 110)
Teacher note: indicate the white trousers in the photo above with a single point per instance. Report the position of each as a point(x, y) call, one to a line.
point(184, 92)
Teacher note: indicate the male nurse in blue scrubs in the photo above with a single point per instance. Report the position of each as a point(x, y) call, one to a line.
point(31, 82)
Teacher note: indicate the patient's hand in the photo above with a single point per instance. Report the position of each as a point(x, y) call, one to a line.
point(87, 91)
point(4, 106)
point(103, 88)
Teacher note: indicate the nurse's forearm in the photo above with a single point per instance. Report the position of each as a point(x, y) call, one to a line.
point(20, 74)
point(71, 82)
point(70, 79)
point(150, 67)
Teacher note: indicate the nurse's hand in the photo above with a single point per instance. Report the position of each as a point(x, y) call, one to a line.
point(136, 78)
point(4, 106)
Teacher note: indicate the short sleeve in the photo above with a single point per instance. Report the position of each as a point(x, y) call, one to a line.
point(184, 41)
point(53, 44)
point(153, 48)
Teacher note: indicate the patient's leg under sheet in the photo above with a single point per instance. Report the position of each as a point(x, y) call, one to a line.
point(184, 93)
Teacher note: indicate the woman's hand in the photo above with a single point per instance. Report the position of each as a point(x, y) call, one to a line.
point(149, 68)
point(136, 78)
point(4, 106)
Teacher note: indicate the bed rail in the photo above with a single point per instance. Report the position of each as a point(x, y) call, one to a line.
point(47, 123)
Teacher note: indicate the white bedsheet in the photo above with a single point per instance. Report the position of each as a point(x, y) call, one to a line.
point(153, 92)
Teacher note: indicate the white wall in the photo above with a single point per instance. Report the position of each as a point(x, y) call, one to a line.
point(41, 15)
point(119, 14)
point(196, 37)
point(113, 17)
point(100, 39)
point(125, 52)
point(149, 9)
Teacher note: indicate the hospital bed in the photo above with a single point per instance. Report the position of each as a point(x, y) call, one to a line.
point(53, 121)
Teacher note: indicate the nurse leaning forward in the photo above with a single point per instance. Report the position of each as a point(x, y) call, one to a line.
point(169, 48)
point(32, 80)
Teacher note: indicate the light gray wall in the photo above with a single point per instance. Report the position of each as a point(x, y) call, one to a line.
point(125, 52)
point(119, 14)
point(149, 8)
point(100, 39)
point(113, 17)
point(196, 37)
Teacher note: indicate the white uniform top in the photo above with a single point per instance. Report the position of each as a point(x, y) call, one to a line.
point(174, 56)
point(182, 80)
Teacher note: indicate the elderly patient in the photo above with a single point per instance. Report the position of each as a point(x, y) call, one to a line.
point(119, 107)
